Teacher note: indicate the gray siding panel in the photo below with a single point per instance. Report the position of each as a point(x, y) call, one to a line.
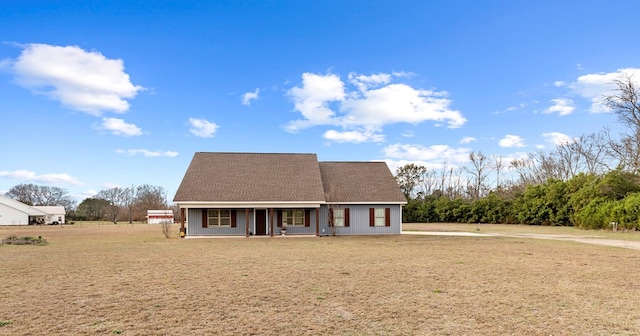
point(359, 220)
point(194, 225)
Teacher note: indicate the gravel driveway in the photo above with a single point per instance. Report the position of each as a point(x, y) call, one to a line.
point(581, 239)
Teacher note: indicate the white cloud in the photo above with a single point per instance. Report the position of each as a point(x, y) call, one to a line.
point(364, 82)
point(373, 103)
point(511, 141)
point(562, 106)
point(249, 96)
point(558, 83)
point(353, 136)
point(147, 153)
point(408, 134)
point(202, 128)
point(313, 98)
point(512, 108)
point(596, 86)
point(26, 175)
point(557, 138)
point(120, 127)
point(86, 193)
point(467, 140)
point(81, 80)
point(437, 153)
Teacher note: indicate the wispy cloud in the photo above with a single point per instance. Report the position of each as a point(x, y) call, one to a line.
point(202, 128)
point(562, 106)
point(595, 87)
point(353, 136)
point(557, 138)
point(510, 141)
point(82, 80)
point(120, 127)
point(413, 152)
point(147, 153)
point(368, 103)
point(26, 175)
point(249, 96)
point(467, 140)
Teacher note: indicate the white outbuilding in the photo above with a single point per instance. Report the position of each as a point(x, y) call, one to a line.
point(159, 216)
point(53, 214)
point(13, 212)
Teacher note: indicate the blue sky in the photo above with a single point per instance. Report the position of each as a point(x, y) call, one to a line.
point(119, 93)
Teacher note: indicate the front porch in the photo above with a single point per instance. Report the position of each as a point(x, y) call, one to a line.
point(250, 222)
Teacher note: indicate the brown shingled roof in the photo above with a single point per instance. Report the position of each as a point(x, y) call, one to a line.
point(251, 177)
point(370, 182)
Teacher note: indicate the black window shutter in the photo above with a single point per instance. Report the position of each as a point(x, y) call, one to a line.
point(233, 218)
point(279, 221)
point(372, 217)
point(205, 218)
point(307, 218)
point(387, 216)
point(346, 217)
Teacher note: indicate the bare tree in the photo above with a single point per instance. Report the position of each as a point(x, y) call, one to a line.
point(428, 183)
point(149, 197)
point(166, 228)
point(593, 149)
point(479, 171)
point(38, 195)
point(625, 103)
point(498, 166)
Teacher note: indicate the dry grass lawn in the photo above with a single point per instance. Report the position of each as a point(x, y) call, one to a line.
point(130, 280)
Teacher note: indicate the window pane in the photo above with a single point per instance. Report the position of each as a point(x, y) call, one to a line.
point(299, 213)
point(225, 221)
point(213, 213)
point(380, 212)
point(225, 213)
point(213, 221)
point(338, 221)
point(299, 221)
point(379, 221)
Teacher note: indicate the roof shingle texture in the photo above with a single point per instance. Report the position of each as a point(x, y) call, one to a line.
point(370, 182)
point(251, 177)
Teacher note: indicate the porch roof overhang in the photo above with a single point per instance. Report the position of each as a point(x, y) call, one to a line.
point(256, 205)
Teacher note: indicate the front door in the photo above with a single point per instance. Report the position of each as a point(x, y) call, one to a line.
point(261, 222)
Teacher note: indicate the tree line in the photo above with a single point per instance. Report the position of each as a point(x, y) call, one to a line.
point(113, 204)
point(588, 182)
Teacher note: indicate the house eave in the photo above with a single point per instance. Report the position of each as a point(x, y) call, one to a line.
point(368, 202)
point(257, 205)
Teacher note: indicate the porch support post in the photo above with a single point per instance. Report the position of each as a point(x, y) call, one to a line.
point(317, 222)
point(246, 221)
point(183, 231)
point(271, 222)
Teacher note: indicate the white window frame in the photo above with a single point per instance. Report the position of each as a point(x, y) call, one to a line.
point(215, 218)
point(338, 217)
point(379, 217)
point(293, 217)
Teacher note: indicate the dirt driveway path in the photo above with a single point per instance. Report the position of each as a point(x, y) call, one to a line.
point(581, 239)
point(635, 245)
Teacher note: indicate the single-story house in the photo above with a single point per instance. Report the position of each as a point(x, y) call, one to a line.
point(245, 194)
point(13, 212)
point(159, 216)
